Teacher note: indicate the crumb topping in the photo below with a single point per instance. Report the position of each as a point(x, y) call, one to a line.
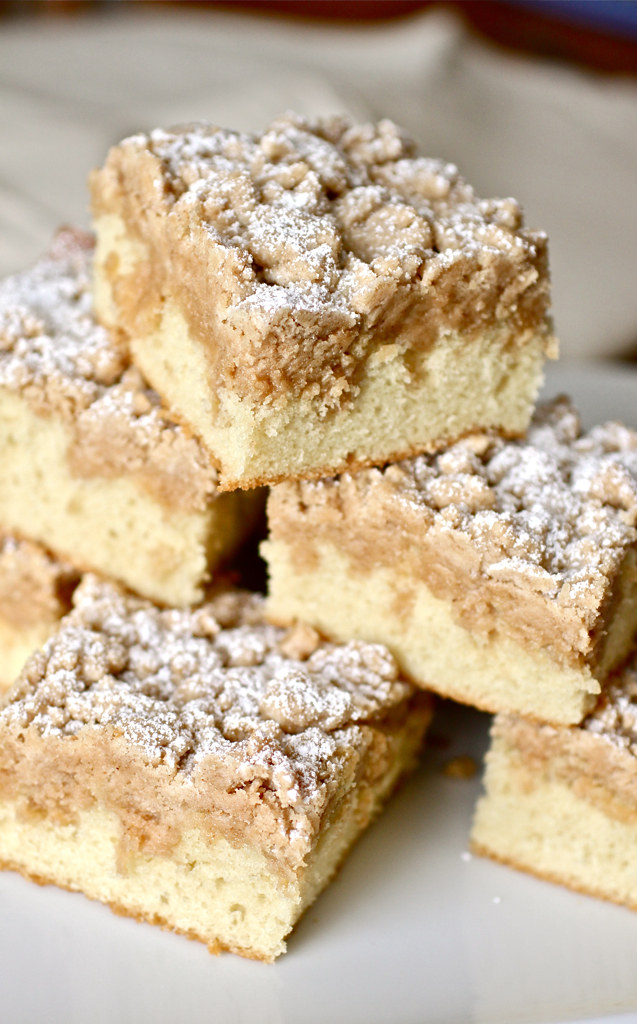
point(48, 336)
point(187, 687)
point(53, 351)
point(555, 511)
point(313, 204)
point(596, 758)
point(327, 240)
point(125, 429)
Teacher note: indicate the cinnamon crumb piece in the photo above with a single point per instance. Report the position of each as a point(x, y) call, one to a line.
point(300, 641)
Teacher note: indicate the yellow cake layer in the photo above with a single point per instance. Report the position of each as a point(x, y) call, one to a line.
point(407, 401)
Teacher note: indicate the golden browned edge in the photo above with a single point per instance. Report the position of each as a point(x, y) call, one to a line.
point(352, 465)
point(548, 876)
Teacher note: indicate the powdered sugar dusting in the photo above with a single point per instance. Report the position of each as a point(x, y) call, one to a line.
point(316, 206)
point(185, 686)
point(48, 335)
point(559, 507)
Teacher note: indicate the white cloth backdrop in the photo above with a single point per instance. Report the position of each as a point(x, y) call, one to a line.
point(561, 141)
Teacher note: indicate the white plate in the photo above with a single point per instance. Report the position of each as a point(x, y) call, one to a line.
point(413, 930)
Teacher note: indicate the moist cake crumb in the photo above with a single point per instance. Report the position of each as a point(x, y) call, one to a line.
point(521, 554)
point(318, 297)
point(561, 802)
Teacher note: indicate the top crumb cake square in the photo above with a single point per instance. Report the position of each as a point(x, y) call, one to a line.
point(318, 297)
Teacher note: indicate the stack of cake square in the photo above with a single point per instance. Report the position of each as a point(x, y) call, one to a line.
point(175, 757)
point(323, 311)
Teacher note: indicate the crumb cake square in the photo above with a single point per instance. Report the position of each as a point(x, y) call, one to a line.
point(35, 592)
point(318, 297)
point(198, 769)
point(561, 802)
point(91, 464)
point(499, 573)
